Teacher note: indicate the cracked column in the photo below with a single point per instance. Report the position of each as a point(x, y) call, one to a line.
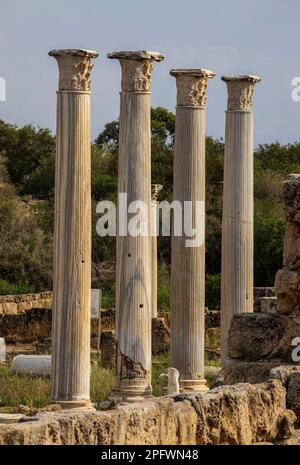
point(133, 287)
point(237, 223)
point(70, 379)
point(156, 188)
point(188, 260)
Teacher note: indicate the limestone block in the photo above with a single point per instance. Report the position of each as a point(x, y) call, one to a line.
point(287, 289)
point(291, 198)
point(241, 414)
point(2, 349)
point(39, 365)
point(240, 371)
point(10, 308)
point(258, 336)
point(268, 304)
point(259, 292)
point(290, 377)
point(23, 306)
point(8, 418)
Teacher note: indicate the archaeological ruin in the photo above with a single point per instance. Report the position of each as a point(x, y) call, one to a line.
point(253, 397)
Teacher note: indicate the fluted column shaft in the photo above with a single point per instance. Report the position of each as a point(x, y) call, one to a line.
point(70, 380)
point(238, 205)
point(156, 188)
point(133, 293)
point(188, 263)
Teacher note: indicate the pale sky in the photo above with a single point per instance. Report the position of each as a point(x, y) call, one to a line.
point(227, 36)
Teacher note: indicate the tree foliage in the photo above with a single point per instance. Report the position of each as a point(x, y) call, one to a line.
point(27, 164)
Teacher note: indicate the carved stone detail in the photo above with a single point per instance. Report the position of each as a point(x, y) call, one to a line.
point(240, 92)
point(136, 75)
point(155, 191)
point(136, 69)
point(191, 86)
point(74, 69)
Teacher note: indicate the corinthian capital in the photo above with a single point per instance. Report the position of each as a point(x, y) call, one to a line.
point(191, 86)
point(75, 67)
point(240, 92)
point(136, 69)
point(155, 191)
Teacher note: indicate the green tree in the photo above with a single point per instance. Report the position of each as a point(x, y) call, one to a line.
point(30, 154)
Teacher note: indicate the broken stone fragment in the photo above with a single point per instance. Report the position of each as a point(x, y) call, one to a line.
point(258, 336)
point(241, 371)
point(38, 365)
point(240, 414)
point(290, 378)
point(8, 418)
point(268, 304)
point(287, 289)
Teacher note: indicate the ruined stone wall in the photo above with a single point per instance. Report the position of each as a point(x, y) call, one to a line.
point(14, 304)
point(260, 342)
point(241, 414)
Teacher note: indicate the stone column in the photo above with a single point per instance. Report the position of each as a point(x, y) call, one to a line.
point(237, 224)
point(133, 293)
point(70, 381)
point(156, 188)
point(188, 262)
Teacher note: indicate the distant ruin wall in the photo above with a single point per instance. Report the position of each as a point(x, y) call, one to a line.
point(14, 304)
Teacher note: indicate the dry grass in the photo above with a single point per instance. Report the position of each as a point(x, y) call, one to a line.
point(34, 392)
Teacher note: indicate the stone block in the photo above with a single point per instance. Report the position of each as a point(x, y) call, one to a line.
point(9, 418)
point(290, 378)
point(241, 414)
point(259, 292)
point(258, 336)
point(287, 289)
point(268, 305)
point(38, 365)
point(240, 371)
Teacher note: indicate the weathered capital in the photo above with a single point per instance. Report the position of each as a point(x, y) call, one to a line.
point(155, 191)
point(136, 69)
point(191, 86)
point(75, 67)
point(240, 92)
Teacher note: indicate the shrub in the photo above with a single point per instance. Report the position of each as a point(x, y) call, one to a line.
point(7, 288)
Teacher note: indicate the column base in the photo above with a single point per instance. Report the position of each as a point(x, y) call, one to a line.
point(76, 405)
point(193, 385)
point(122, 398)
